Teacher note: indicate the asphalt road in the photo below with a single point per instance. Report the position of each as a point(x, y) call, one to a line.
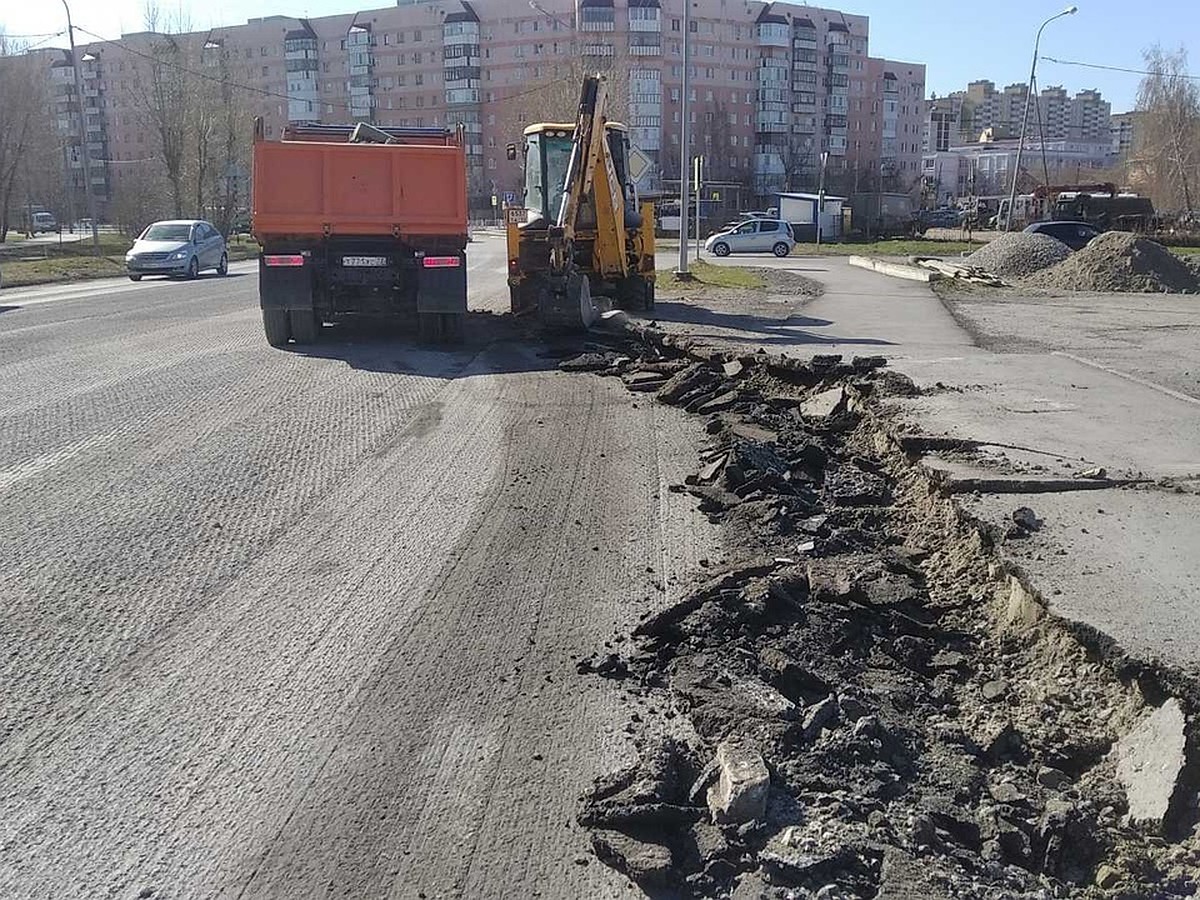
point(282, 624)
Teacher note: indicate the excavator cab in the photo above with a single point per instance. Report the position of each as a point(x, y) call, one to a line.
point(579, 242)
point(547, 155)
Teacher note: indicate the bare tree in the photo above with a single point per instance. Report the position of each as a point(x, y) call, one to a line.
point(1168, 142)
point(164, 100)
point(23, 119)
point(799, 161)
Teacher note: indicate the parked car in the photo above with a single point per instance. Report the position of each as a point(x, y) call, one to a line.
point(1075, 235)
point(942, 217)
point(43, 223)
point(180, 247)
point(753, 236)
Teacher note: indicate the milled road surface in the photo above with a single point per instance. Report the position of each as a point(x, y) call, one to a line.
point(280, 624)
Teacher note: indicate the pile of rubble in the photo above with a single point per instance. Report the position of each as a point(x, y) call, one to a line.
point(867, 704)
point(1121, 261)
point(1017, 254)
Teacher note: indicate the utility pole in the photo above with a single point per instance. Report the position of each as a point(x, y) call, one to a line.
point(1012, 194)
point(87, 155)
point(821, 195)
point(685, 148)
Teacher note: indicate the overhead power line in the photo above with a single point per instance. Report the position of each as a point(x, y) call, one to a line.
point(1087, 65)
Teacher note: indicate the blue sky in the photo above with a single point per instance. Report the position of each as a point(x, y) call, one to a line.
point(959, 40)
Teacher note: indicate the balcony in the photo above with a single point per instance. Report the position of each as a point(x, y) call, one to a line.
point(773, 34)
point(645, 44)
point(644, 18)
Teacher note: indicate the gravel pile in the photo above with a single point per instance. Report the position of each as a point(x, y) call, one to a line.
point(1018, 254)
point(1121, 261)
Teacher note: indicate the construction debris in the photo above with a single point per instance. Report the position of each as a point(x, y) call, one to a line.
point(856, 711)
point(959, 271)
point(1150, 761)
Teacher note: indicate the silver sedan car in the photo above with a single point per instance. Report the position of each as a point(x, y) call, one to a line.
point(753, 236)
point(179, 247)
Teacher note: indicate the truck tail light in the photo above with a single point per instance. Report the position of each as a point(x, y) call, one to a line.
point(289, 260)
point(441, 262)
point(514, 267)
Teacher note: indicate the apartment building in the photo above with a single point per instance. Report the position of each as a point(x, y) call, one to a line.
point(772, 87)
point(76, 119)
point(1123, 134)
point(1055, 114)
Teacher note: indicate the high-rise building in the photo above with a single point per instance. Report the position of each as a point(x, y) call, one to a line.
point(772, 87)
point(1054, 115)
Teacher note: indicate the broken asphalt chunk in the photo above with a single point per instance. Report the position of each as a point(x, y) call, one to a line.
point(740, 791)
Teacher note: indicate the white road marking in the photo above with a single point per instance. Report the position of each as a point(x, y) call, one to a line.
point(1186, 398)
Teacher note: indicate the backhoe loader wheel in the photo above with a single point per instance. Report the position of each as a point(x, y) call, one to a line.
point(636, 293)
point(721, 249)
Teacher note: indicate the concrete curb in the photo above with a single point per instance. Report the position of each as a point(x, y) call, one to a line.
point(896, 270)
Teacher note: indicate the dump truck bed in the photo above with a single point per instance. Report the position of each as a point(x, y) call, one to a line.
point(315, 188)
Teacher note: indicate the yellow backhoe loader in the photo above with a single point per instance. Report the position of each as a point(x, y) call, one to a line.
point(580, 243)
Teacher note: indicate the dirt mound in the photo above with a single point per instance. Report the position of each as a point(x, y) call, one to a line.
point(1121, 261)
point(1019, 254)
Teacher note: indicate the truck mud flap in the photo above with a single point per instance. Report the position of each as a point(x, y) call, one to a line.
point(442, 284)
point(285, 281)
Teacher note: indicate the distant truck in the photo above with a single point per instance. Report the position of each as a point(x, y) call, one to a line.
point(1122, 211)
point(359, 222)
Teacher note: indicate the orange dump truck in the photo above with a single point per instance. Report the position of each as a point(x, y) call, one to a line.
point(359, 222)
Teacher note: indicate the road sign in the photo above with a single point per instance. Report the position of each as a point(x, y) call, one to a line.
point(510, 196)
point(494, 200)
point(639, 164)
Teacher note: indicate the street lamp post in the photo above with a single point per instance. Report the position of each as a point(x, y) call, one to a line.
point(685, 150)
point(87, 156)
point(821, 195)
point(1012, 195)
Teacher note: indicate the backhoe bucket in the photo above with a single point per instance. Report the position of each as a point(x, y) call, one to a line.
point(565, 303)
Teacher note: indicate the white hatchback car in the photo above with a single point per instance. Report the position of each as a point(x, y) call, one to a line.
point(753, 236)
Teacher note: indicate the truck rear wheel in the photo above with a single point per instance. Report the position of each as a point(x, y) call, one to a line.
point(440, 328)
point(305, 326)
point(277, 327)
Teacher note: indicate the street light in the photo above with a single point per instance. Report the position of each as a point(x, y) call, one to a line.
point(87, 156)
point(537, 7)
point(1012, 195)
point(821, 194)
point(685, 149)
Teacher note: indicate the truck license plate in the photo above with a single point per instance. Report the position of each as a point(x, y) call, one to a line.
point(369, 261)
